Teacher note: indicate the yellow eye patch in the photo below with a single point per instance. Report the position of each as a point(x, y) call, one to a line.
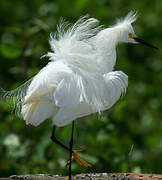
point(130, 35)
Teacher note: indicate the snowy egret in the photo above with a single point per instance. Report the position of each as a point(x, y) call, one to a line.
point(79, 79)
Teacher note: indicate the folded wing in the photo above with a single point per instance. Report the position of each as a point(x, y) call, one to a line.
point(115, 83)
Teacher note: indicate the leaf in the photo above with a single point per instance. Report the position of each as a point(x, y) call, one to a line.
point(10, 50)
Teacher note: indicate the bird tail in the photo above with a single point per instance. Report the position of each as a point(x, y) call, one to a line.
point(15, 98)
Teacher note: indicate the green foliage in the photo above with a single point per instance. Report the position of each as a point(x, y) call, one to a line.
point(127, 137)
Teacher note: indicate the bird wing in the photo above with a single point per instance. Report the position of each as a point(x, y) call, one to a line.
point(37, 111)
point(65, 115)
point(39, 102)
point(116, 83)
point(67, 93)
point(109, 90)
point(15, 97)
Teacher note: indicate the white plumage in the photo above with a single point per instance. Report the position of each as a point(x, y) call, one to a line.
point(79, 79)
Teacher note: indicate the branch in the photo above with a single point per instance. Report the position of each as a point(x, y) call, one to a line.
point(97, 176)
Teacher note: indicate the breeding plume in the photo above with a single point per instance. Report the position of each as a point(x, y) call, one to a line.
point(79, 78)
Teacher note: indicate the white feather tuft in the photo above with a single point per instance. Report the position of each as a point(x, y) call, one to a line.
point(75, 45)
point(128, 19)
point(15, 98)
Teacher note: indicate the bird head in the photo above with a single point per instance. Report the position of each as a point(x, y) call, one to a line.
point(125, 32)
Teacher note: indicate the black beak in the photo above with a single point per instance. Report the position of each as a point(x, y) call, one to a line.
point(144, 42)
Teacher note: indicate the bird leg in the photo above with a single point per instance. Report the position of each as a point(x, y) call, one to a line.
point(55, 140)
point(71, 150)
point(75, 156)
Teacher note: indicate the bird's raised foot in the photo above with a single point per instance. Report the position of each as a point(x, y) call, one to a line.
point(67, 178)
point(79, 160)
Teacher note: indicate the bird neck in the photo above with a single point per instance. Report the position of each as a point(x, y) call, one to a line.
point(106, 50)
point(107, 60)
point(110, 36)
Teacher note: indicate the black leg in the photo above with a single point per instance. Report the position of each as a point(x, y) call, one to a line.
point(54, 139)
point(72, 153)
point(71, 150)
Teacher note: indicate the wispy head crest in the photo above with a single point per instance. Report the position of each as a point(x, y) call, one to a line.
point(128, 19)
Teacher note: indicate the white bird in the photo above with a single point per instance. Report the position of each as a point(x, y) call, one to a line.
point(79, 79)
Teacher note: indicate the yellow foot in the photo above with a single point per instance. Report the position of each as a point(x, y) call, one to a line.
point(79, 160)
point(67, 178)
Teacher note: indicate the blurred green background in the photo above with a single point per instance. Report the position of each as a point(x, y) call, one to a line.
point(128, 137)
